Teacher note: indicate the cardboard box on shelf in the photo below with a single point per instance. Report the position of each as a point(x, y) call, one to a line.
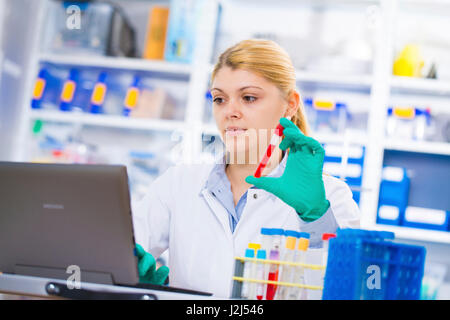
point(155, 103)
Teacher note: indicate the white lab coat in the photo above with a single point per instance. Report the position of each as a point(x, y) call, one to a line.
point(179, 214)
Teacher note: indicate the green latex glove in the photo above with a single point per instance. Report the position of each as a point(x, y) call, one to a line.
point(147, 268)
point(301, 185)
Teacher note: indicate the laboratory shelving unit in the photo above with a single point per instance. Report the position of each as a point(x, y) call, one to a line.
point(380, 85)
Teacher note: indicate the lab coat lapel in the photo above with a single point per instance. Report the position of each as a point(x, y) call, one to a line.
point(218, 210)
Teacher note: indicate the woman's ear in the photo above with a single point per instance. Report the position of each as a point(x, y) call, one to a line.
point(293, 103)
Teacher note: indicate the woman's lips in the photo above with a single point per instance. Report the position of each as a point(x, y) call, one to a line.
point(234, 131)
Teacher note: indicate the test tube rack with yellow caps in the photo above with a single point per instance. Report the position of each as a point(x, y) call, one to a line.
point(282, 279)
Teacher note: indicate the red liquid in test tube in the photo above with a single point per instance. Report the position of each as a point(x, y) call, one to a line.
point(275, 137)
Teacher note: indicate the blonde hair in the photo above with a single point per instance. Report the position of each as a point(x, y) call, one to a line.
point(267, 59)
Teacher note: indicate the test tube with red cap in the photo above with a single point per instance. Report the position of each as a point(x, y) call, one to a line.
point(325, 238)
point(274, 141)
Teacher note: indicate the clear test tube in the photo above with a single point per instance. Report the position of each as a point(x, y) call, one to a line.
point(260, 274)
point(325, 245)
point(325, 238)
point(299, 275)
point(277, 239)
point(286, 271)
point(274, 254)
point(249, 253)
point(266, 239)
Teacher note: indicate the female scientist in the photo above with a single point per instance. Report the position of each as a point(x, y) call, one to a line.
point(207, 214)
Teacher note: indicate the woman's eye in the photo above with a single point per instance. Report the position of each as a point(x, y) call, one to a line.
point(218, 100)
point(249, 98)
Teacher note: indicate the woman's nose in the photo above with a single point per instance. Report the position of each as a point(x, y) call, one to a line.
point(233, 110)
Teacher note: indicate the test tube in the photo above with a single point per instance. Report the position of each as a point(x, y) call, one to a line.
point(254, 246)
point(249, 253)
point(325, 243)
point(325, 238)
point(286, 271)
point(252, 286)
point(260, 274)
point(274, 255)
point(266, 239)
point(274, 141)
point(299, 275)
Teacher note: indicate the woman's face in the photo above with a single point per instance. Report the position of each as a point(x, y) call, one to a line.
point(247, 109)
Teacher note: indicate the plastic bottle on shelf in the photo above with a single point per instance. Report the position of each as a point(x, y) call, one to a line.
point(39, 88)
point(131, 97)
point(98, 94)
point(68, 91)
point(422, 123)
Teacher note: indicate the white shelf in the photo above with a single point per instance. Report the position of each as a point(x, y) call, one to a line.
point(441, 148)
point(113, 121)
point(415, 233)
point(118, 63)
point(418, 85)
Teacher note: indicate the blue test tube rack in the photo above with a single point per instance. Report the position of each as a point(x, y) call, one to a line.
point(356, 257)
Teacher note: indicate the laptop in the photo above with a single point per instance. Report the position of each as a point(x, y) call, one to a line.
point(57, 216)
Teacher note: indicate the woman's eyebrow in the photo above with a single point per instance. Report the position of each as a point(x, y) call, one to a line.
point(241, 89)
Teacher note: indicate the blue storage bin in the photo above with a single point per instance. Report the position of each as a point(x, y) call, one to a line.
point(390, 214)
point(356, 256)
point(394, 193)
point(425, 218)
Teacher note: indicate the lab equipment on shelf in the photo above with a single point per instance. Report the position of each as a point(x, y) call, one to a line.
point(132, 96)
point(46, 88)
point(326, 114)
point(345, 161)
point(184, 17)
point(409, 123)
point(68, 90)
point(98, 94)
point(109, 32)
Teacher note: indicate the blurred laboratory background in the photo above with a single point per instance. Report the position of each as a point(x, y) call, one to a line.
point(126, 82)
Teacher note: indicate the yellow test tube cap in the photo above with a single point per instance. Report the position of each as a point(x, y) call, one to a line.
point(303, 244)
point(291, 239)
point(254, 246)
point(290, 243)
